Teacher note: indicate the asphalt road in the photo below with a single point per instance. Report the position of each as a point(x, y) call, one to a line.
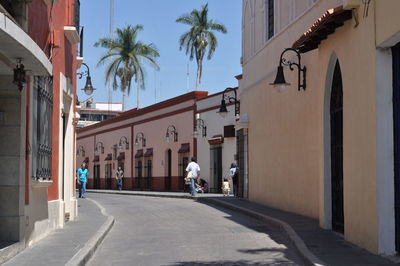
point(164, 231)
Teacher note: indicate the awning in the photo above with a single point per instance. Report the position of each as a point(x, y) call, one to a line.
point(108, 157)
point(16, 43)
point(217, 139)
point(148, 153)
point(139, 153)
point(96, 158)
point(121, 156)
point(322, 27)
point(185, 148)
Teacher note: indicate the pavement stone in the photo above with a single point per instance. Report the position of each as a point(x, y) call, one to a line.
point(63, 244)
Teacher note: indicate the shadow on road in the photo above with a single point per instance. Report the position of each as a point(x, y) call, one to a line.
point(286, 254)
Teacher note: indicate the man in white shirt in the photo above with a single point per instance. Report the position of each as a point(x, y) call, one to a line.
point(194, 169)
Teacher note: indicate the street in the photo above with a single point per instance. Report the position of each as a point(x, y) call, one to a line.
point(165, 231)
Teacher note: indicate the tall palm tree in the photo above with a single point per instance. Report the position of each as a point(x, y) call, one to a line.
point(199, 37)
point(125, 55)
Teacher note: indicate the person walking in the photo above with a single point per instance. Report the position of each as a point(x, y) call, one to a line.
point(192, 171)
point(234, 175)
point(119, 175)
point(82, 175)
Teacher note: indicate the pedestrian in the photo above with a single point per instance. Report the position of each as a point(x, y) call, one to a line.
point(225, 187)
point(82, 175)
point(119, 175)
point(192, 170)
point(234, 175)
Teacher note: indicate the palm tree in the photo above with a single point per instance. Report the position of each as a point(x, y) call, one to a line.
point(125, 55)
point(199, 37)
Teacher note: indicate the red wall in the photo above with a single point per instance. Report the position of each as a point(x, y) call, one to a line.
point(46, 28)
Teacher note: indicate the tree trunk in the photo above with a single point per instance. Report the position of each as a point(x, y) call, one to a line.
point(137, 96)
point(199, 71)
point(123, 99)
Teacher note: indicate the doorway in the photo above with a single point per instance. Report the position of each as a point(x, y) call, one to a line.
point(336, 125)
point(96, 176)
point(168, 178)
point(216, 168)
point(396, 140)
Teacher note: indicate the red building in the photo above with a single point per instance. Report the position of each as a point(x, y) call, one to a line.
point(38, 40)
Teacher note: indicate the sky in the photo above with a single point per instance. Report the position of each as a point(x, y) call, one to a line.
point(158, 19)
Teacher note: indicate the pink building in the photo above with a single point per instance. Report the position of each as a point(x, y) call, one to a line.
point(153, 145)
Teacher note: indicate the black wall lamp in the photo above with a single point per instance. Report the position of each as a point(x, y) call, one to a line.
point(123, 141)
point(80, 151)
point(280, 83)
point(99, 147)
point(200, 125)
point(19, 75)
point(171, 131)
point(223, 111)
point(140, 138)
point(88, 89)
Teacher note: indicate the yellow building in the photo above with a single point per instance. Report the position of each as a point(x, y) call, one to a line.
point(326, 149)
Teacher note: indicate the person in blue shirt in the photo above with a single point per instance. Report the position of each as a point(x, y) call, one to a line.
point(82, 175)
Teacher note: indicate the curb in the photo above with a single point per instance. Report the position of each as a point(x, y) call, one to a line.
point(308, 257)
point(294, 238)
point(87, 251)
point(11, 251)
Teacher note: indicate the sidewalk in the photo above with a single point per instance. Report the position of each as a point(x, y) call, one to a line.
point(314, 244)
point(71, 245)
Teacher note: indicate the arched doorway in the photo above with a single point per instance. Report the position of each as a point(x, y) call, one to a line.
point(336, 145)
point(396, 139)
point(168, 165)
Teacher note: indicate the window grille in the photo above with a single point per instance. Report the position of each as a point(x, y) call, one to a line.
point(41, 139)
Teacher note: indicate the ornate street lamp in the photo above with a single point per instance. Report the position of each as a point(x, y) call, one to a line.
point(80, 151)
point(88, 89)
point(19, 75)
point(280, 83)
point(223, 111)
point(171, 131)
point(140, 137)
point(200, 125)
point(99, 147)
point(123, 141)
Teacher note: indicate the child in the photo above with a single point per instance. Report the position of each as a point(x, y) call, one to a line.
point(225, 187)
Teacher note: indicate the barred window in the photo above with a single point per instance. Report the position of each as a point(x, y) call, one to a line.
point(269, 19)
point(42, 96)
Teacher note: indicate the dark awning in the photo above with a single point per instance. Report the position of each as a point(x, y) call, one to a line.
point(217, 139)
point(139, 153)
point(96, 158)
point(121, 156)
point(149, 153)
point(185, 148)
point(109, 157)
point(322, 27)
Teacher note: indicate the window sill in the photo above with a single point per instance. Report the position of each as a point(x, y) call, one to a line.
point(41, 183)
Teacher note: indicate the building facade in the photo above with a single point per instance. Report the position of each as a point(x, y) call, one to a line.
point(327, 150)
point(37, 118)
point(91, 113)
point(216, 139)
point(152, 145)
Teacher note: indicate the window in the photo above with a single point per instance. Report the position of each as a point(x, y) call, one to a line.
point(269, 19)
point(42, 96)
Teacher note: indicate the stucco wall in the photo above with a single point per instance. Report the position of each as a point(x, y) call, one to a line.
point(286, 130)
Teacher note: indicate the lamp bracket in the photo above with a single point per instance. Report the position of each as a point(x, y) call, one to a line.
point(284, 62)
